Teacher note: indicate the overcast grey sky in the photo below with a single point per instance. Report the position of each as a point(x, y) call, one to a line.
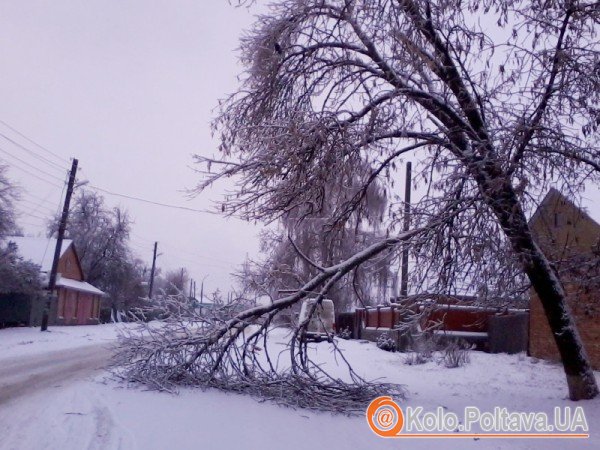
point(128, 88)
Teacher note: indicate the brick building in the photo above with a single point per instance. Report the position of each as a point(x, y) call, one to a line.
point(570, 238)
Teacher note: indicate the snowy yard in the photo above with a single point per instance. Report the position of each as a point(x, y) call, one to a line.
point(88, 410)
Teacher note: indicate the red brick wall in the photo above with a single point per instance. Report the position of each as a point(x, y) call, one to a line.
point(585, 307)
point(571, 240)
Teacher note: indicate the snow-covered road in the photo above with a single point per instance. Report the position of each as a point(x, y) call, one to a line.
point(49, 395)
point(25, 375)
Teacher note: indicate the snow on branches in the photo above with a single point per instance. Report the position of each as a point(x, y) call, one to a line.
point(230, 347)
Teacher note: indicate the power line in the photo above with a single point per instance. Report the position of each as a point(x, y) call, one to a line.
point(106, 191)
point(36, 197)
point(152, 202)
point(35, 154)
point(55, 166)
point(28, 214)
point(223, 264)
point(33, 142)
point(36, 225)
point(41, 203)
point(37, 177)
point(175, 253)
point(29, 165)
point(38, 205)
point(219, 263)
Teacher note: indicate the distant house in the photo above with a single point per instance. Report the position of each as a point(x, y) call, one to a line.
point(78, 302)
point(570, 238)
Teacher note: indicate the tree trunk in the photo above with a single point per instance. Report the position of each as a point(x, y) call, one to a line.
point(547, 285)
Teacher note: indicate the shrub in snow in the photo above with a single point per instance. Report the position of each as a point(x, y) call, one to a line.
point(425, 344)
point(456, 354)
point(416, 358)
point(385, 342)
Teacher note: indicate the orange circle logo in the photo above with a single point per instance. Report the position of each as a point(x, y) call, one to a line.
point(385, 417)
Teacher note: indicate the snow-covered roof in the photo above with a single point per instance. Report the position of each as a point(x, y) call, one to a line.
point(39, 251)
point(80, 286)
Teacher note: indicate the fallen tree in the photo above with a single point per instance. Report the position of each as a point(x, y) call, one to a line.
point(230, 350)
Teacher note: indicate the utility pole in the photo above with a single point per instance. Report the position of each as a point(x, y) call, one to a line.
point(62, 226)
point(152, 271)
point(405, 227)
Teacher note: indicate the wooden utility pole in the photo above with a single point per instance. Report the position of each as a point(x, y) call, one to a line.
point(152, 271)
point(405, 227)
point(62, 226)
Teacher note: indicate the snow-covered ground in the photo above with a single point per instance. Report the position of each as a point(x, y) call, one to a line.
point(90, 411)
point(30, 341)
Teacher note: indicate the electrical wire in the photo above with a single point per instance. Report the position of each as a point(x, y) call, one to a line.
point(33, 142)
point(219, 263)
point(37, 197)
point(35, 154)
point(152, 202)
point(28, 214)
point(36, 225)
point(39, 206)
point(36, 176)
point(29, 165)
